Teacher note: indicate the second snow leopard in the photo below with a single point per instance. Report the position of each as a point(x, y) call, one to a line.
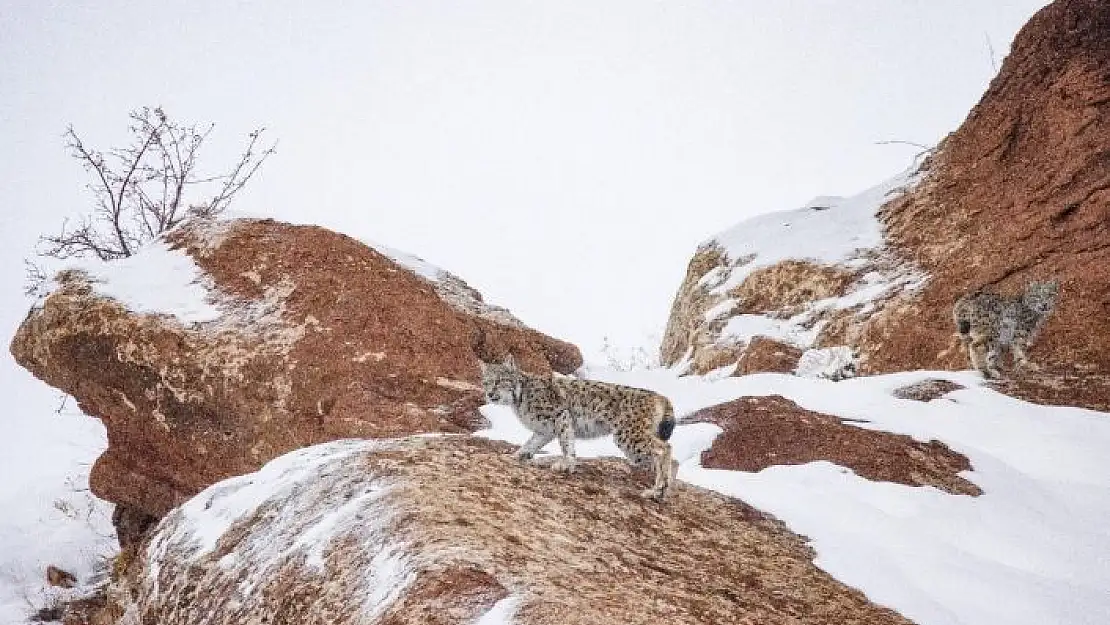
point(989, 323)
point(563, 408)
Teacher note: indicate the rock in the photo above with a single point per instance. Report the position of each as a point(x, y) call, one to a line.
point(764, 354)
point(688, 331)
point(131, 525)
point(60, 578)
point(760, 432)
point(926, 390)
point(1019, 192)
point(830, 363)
point(297, 335)
point(446, 529)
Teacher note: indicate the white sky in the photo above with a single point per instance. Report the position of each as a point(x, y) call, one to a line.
point(563, 157)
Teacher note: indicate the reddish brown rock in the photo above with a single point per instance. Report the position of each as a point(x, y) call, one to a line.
point(764, 354)
point(1020, 192)
point(760, 432)
point(439, 529)
point(320, 337)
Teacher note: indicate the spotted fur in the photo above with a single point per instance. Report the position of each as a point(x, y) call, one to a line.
point(989, 323)
point(563, 408)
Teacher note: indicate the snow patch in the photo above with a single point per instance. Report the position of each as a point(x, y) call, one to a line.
point(501, 613)
point(830, 363)
point(157, 280)
point(300, 522)
point(826, 230)
point(415, 264)
point(790, 331)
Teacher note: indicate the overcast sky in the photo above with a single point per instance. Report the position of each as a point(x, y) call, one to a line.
point(563, 157)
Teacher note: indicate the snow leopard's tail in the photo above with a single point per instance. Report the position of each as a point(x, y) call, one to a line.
point(666, 423)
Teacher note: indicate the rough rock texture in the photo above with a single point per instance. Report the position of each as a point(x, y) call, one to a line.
point(688, 332)
point(927, 390)
point(1020, 192)
point(764, 354)
point(441, 529)
point(760, 432)
point(783, 287)
point(319, 337)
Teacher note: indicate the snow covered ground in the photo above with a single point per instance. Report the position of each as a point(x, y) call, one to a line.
point(47, 515)
point(1033, 549)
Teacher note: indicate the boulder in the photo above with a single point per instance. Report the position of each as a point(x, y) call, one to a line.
point(452, 529)
point(1019, 192)
point(227, 344)
point(760, 432)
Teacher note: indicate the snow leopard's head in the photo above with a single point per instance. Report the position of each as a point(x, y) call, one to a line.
point(502, 383)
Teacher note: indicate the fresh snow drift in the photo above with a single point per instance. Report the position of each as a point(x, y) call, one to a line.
point(827, 230)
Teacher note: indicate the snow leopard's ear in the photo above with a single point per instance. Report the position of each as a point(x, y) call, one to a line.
point(510, 362)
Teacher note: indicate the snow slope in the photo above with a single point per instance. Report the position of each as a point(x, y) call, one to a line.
point(1034, 549)
point(828, 230)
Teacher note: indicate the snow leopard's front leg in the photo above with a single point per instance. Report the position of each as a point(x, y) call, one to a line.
point(564, 429)
point(534, 444)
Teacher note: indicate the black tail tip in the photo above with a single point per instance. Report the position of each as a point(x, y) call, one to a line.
point(665, 429)
point(964, 326)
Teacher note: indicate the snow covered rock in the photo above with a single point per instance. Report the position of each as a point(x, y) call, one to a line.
point(230, 343)
point(455, 530)
point(1017, 193)
point(784, 277)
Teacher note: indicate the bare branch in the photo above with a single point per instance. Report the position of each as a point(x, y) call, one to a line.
point(990, 50)
point(34, 277)
point(899, 142)
point(140, 191)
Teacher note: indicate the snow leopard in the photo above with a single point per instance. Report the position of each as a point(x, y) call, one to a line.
point(989, 323)
point(565, 408)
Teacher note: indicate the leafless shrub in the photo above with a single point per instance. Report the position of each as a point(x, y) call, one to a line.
point(148, 187)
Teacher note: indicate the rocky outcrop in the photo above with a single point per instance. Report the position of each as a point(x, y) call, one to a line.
point(1020, 192)
point(760, 432)
point(277, 337)
point(448, 529)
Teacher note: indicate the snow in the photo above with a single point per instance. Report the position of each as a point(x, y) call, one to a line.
point(300, 520)
point(831, 363)
point(49, 517)
point(827, 230)
point(156, 280)
point(415, 264)
point(1033, 549)
point(789, 331)
point(501, 613)
point(830, 231)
